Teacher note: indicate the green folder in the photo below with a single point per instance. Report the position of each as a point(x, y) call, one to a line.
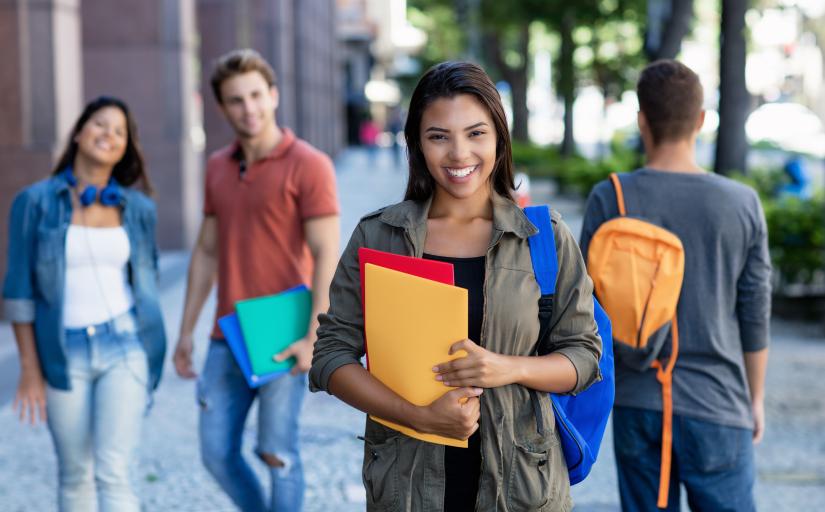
point(270, 324)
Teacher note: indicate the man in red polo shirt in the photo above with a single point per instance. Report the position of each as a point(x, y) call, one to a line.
point(270, 223)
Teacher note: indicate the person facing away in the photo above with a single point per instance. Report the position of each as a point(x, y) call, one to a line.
point(81, 293)
point(270, 223)
point(723, 311)
point(458, 208)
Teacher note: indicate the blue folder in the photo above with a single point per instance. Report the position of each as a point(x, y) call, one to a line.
point(232, 332)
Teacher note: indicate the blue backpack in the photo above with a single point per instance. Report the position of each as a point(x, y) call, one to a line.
point(580, 419)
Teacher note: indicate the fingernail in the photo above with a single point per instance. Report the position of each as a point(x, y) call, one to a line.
point(435, 368)
point(439, 377)
point(446, 383)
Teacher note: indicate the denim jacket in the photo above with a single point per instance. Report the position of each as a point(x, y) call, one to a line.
point(33, 291)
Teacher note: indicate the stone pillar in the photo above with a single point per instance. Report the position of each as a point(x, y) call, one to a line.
point(266, 26)
point(319, 74)
point(40, 92)
point(219, 26)
point(145, 53)
point(298, 37)
point(278, 39)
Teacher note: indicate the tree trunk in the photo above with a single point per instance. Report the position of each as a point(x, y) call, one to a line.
point(668, 23)
point(518, 83)
point(516, 77)
point(734, 99)
point(567, 80)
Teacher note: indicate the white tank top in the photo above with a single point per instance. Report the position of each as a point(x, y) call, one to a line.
point(97, 286)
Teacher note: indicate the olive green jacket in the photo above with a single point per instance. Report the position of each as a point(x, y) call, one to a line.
point(523, 466)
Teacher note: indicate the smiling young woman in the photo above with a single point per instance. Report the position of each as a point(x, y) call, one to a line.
point(81, 294)
point(458, 208)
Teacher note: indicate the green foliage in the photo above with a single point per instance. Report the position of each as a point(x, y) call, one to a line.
point(576, 174)
point(796, 227)
point(766, 182)
point(796, 235)
point(445, 39)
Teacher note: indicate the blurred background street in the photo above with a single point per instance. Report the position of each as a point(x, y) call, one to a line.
point(566, 72)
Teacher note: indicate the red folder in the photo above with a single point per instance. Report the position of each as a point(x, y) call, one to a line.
point(439, 271)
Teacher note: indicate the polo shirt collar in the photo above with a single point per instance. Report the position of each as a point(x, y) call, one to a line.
point(287, 139)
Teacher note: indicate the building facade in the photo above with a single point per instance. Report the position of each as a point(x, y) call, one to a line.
point(157, 55)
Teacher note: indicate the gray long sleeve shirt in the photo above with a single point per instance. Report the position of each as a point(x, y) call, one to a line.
point(724, 306)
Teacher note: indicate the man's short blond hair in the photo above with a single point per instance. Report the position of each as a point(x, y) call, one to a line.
point(238, 62)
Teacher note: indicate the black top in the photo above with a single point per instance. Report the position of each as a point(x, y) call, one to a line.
point(463, 465)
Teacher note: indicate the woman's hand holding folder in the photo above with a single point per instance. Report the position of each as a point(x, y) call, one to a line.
point(454, 415)
point(479, 367)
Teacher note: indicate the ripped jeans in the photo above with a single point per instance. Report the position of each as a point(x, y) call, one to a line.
point(225, 400)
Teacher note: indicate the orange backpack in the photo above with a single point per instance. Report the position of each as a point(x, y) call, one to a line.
point(637, 270)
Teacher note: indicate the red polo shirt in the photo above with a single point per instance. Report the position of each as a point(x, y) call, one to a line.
point(260, 215)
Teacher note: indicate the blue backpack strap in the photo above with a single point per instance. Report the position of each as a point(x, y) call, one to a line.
point(543, 248)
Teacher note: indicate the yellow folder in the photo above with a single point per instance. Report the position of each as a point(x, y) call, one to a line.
point(411, 324)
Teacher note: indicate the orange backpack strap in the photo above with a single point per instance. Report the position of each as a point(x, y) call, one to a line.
point(665, 377)
point(617, 184)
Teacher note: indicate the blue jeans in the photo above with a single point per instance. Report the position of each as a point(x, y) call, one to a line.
point(96, 425)
point(225, 400)
point(713, 462)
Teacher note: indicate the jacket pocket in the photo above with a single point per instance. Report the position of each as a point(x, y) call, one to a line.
point(529, 479)
point(380, 473)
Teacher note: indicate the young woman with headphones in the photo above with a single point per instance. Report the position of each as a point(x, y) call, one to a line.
point(81, 293)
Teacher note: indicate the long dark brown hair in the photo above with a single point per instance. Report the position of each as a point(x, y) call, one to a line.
point(130, 170)
point(447, 80)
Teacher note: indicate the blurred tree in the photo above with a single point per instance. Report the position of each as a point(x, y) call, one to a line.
point(566, 75)
point(668, 22)
point(445, 38)
point(615, 56)
point(505, 44)
point(562, 17)
point(616, 44)
point(501, 29)
point(734, 99)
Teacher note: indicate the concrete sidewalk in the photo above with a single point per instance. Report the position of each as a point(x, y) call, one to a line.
point(790, 462)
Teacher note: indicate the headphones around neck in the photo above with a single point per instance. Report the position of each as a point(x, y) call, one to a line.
point(111, 195)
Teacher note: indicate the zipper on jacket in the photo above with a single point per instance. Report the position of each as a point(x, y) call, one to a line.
point(487, 264)
point(481, 425)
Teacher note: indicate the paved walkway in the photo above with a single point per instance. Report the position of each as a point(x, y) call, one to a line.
point(791, 461)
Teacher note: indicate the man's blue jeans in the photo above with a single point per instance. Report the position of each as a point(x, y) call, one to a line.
point(225, 400)
point(713, 462)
